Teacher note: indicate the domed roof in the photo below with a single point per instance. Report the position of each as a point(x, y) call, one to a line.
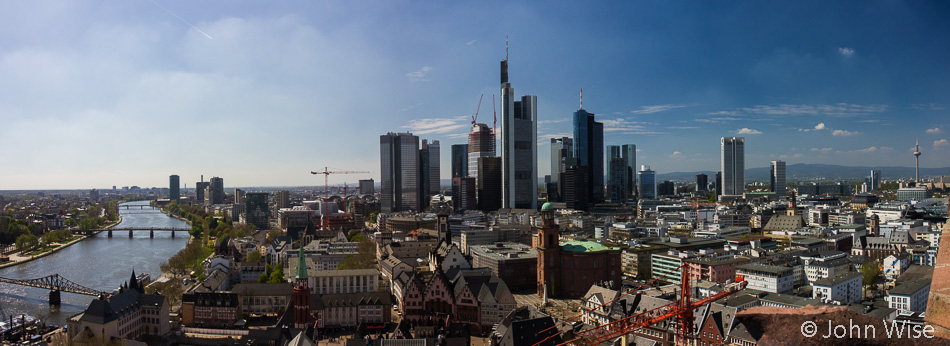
point(547, 206)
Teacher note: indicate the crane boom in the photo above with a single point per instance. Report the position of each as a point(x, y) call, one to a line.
point(326, 187)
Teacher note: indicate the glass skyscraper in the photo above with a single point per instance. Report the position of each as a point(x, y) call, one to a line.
point(733, 165)
point(399, 168)
point(647, 180)
point(519, 147)
point(777, 178)
point(589, 152)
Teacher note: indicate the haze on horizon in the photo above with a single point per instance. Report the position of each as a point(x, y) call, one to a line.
point(126, 93)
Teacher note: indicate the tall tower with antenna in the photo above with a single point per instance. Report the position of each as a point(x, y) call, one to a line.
point(917, 162)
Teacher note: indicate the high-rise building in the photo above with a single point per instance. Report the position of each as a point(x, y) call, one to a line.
point(562, 149)
point(367, 187)
point(576, 190)
point(629, 154)
point(589, 151)
point(464, 194)
point(875, 180)
point(718, 184)
point(217, 190)
point(399, 166)
point(283, 199)
point(519, 147)
point(173, 188)
point(777, 178)
point(489, 184)
point(459, 160)
point(917, 162)
point(733, 165)
point(702, 182)
point(647, 179)
point(200, 188)
point(481, 143)
point(616, 175)
point(238, 196)
point(257, 210)
point(429, 169)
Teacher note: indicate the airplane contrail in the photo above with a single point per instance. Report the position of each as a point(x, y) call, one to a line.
point(182, 20)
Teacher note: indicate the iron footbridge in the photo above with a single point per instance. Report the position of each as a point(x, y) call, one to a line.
point(56, 284)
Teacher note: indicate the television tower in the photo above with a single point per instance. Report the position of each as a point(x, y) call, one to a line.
point(917, 162)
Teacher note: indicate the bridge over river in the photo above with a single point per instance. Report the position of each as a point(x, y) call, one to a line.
point(56, 284)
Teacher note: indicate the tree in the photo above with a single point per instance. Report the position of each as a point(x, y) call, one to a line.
point(254, 256)
point(278, 275)
point(365, 258)
point(871, 272)
point(26, 242)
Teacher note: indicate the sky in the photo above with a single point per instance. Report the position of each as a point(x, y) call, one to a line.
point(101, 93)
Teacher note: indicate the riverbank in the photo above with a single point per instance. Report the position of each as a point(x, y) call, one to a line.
point(16, 259)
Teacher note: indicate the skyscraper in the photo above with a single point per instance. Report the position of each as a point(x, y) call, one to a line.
point(367, 186)
point(616, 175)
point(519, 147)
point(173, 188)
point(481, 143)
point(488, 184)
point(429, 155)
point(257, 209)
point(459, 160)
point(702, 182)
point(733, 165)
point(562, 149)
point(200, 188)
point(647, 180)
point(629, 154)
point(589, 151)
point(917, 162)
point(217, 190)
point(777, 178)
point(875, 180)
point(399, 168)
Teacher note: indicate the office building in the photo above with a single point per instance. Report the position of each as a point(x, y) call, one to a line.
point(875, 180)
point(777, 178)
point(173, 188)
point(616, 175)
point(429, 155)
point(562, 150)
point(519, 147)
point(367, 187)
point(217, 191)
point(575, 187)
point(200, 188)
point(702, 182)
point(647, 179)
point(489, 183)
point(257, 210)
point(718, 184)
point(733, 165)
point(459, 160)
point(628, 152)
point(399, 167)
point(464, 194)
point(481, 143)
point(589, 152)
point(283, 199)
point(238, 196)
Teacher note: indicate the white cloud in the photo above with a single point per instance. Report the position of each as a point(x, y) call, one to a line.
point(676, 154)
point(420, 75)
point(469, 43)
point(656, 109)
point(846, 52)
point(625, 127)
point(868, 150)
point(748, 131)
point(542, 122)
point(824, 150)
point(843, 133)
point(819, 127)
point(838, 109)
point(437, 125)
point(941, 143)
point(718, 119)
point(934, 130)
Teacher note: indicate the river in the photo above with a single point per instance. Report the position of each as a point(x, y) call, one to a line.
point(98, 262)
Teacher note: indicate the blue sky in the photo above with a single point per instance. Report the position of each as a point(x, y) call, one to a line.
point(95, 94)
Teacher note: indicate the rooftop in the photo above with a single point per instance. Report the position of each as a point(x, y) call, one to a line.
point(506, 250)
point(585, 246)
point(910, 287)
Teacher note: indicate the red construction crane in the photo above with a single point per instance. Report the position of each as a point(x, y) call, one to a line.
point(681, 310)
point(475, 117)
point(326, 188)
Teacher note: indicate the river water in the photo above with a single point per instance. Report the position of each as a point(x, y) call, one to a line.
point(99, 262)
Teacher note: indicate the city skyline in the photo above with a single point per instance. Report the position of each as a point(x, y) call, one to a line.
point(122, 94)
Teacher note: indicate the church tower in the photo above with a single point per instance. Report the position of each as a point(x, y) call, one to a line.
point(301, 293)
point(547, 242)
point(445, 234)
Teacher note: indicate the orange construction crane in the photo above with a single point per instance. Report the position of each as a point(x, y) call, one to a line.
point(326, 188)
point(681, 310)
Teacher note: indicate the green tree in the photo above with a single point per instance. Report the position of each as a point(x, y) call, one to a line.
point(254, 257)
point(278, 275)
point(870, 272)
point(365, 257)
point(26, 242)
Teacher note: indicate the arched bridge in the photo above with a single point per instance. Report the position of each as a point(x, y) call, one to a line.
point(151, 230)
point(56, 284)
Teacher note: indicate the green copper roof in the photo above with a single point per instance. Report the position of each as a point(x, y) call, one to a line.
point(301, 264)
point(584, 246)
point(547, 206)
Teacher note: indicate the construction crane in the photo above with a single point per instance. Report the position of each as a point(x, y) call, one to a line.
point(680, 310)
point(475, 117)
point(326, 189)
